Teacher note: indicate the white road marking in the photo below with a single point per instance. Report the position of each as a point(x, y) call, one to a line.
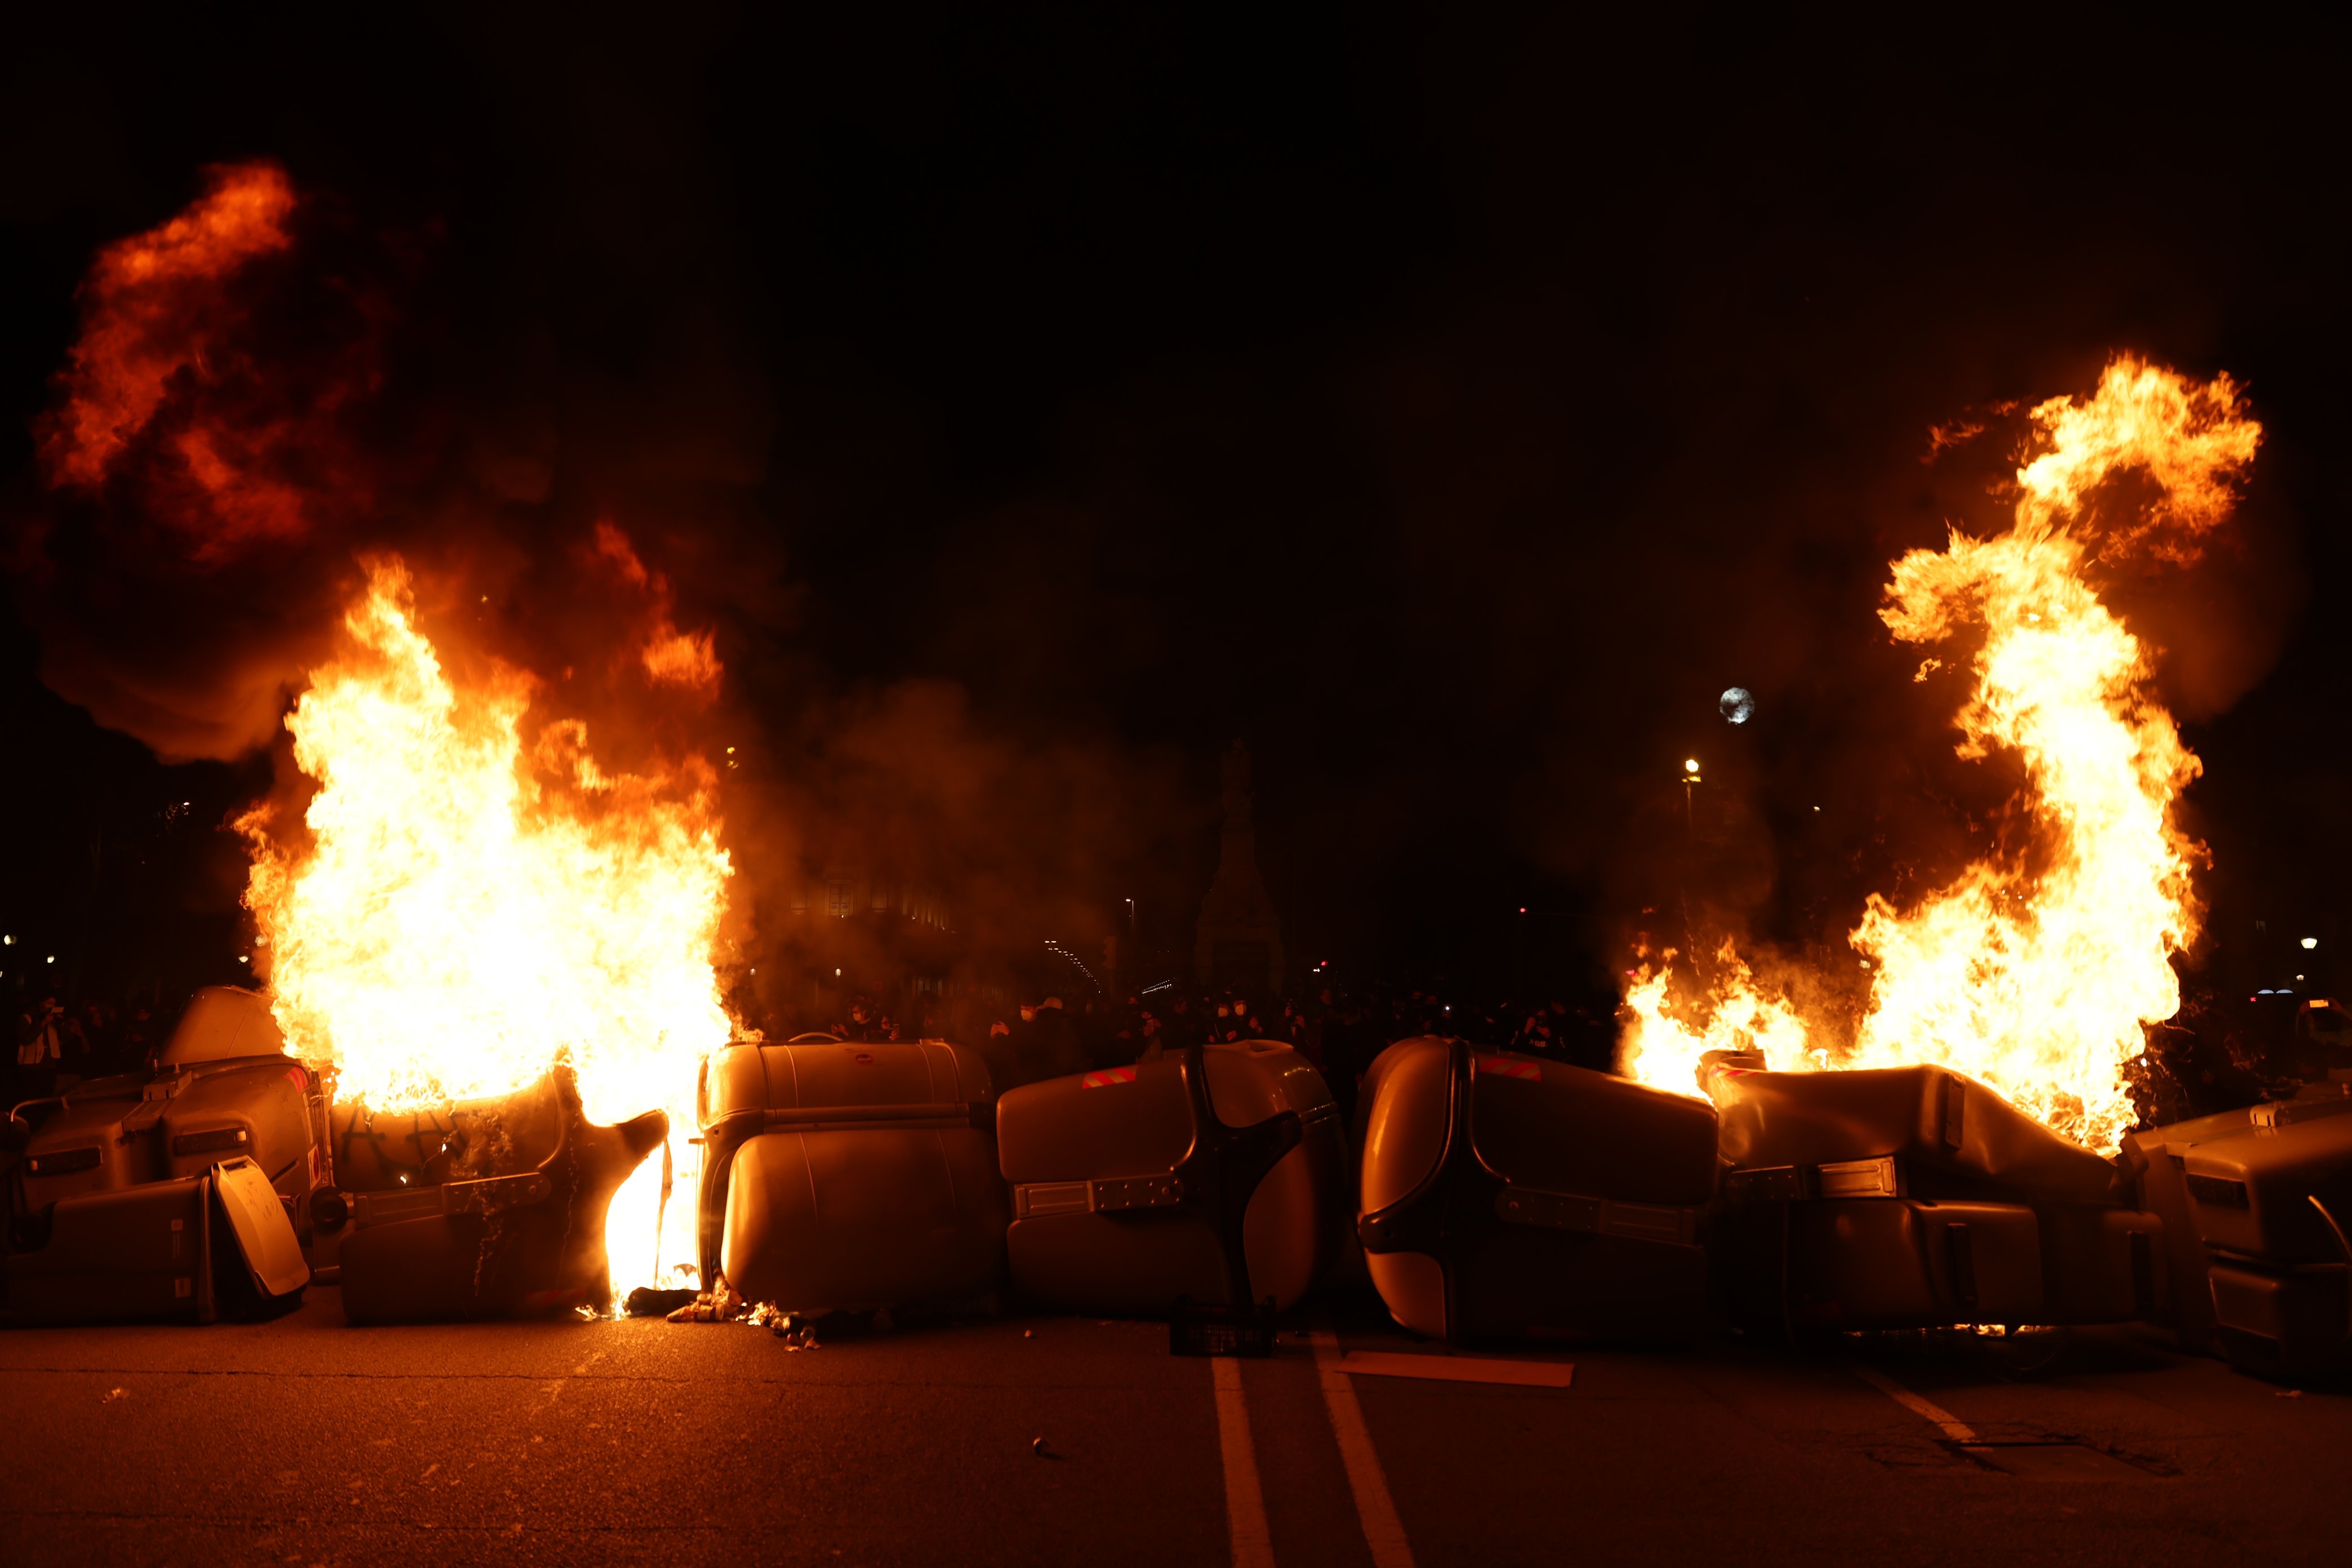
point(1383, 1532)
point(1958, 1430)
point(1245, 1500)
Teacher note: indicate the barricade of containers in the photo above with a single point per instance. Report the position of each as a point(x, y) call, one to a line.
point(1485, 1195)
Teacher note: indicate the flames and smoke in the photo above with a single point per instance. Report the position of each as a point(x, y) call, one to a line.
point(2037, 973)
point(457, 892)
point(470, 907)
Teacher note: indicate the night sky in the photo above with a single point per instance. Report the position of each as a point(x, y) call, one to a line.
point(1038, 399)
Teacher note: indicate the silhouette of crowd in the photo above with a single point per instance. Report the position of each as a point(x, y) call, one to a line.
point(56, 1045)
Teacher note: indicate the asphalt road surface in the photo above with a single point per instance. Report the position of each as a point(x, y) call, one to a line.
point(306, 1441)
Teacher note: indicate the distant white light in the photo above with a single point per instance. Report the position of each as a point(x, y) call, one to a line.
point(51, 959)
point(1690, 765)
point(1737, 705)
point(836, 975)
point(2309, 943)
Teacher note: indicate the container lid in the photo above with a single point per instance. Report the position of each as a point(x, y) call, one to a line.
point(264, 1235)
point(222, 1024)
point(1412, 1115)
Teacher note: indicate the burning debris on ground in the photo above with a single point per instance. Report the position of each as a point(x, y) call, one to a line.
point(1264, 697)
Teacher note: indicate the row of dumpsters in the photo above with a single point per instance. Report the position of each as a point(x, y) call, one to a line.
point(1486, 1196)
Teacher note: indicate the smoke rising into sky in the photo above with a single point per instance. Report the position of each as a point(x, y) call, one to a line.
point(1453, 409)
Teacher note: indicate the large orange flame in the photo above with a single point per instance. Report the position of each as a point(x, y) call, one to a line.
point(470, 907)
point(2038, 980)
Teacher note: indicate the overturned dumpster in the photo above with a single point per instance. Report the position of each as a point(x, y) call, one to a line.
point(1216, 1177)
point(2260, 1201)
point(1916, 1197)
point(186, 1191)
point(1505, 1197)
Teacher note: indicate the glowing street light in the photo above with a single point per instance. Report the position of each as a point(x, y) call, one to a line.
point(2309, 943)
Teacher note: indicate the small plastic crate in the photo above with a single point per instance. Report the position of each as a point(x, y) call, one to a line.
point(1221, 1330)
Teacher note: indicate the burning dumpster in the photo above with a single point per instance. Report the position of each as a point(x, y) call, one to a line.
point(511, 1230)
point(1927, 1146)
point(1913, 1198)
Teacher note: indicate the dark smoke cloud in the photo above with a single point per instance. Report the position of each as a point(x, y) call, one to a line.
point(1452, 407)
point(206, 463)
point(908, 784)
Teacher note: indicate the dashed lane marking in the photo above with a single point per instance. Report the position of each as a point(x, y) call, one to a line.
point(1958, 1430)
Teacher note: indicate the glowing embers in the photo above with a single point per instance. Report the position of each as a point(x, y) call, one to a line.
point(2036, 979)
point(471, 906)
